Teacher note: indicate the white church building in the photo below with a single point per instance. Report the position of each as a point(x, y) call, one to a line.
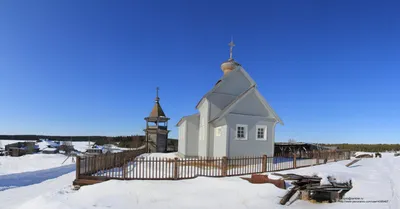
point(233, 119)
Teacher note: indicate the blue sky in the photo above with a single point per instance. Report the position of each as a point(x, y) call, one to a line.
point(330, 69)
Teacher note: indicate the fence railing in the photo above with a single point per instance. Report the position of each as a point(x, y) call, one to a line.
point(127, 165)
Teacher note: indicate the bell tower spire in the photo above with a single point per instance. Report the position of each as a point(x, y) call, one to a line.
point(157, 98)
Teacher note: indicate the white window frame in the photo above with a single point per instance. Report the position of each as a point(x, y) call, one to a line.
point(218, 131)
point(245, 130)
point(265, 138)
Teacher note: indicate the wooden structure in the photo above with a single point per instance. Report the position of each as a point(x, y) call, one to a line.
point(302, 150)
point(67, 147)
point(172, 145)
point(94, 151)
point(129, 166)
point(156, 128)
point(21, 148)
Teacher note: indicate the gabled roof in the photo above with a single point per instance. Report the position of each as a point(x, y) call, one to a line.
point(252, 88)
point(269, 108)
point(231, 105)
point(185, 117)
point(221, 81)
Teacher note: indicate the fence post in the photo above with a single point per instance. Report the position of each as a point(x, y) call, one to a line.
point(224, 166)
point(319, 157)
point(78, 166)
point(176, 168)
point(294, 161)
point(334, 156)
point(264, 164)
point(124, 169)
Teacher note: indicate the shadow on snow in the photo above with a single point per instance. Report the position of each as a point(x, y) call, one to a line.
point(14, 180)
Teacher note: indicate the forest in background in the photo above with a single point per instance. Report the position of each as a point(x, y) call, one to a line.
point(367, 147)
point(121, 141)
point(138, 140)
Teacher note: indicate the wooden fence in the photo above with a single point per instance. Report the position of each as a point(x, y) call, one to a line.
point(128, 166)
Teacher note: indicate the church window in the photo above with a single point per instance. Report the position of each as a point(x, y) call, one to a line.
point(218, 131)
point(261, 132)
point(241, 132)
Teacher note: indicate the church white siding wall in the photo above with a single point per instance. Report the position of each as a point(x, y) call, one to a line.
point(203, 129)
point(214, 110)
point(220, 135)
point(192, 136)
point(182, 136)
point(251, 146)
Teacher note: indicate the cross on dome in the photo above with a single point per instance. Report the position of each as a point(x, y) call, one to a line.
point(231, 44)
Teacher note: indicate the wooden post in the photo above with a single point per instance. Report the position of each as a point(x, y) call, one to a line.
point(334, 156)
point(294, 161)
point(264, 164)
point(176, 168)
point(124, 169)
point(224, 166)
point(78, 167)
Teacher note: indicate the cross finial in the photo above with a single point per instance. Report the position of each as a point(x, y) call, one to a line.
point(231, 44)
point(157, 98)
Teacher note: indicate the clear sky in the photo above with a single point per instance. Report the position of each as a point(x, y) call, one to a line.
point(330, 69)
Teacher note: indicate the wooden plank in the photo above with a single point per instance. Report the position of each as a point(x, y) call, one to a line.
point(78, 167)
point(352, 162)
point(84, 182)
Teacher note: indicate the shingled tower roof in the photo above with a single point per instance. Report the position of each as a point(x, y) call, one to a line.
point(157, 111)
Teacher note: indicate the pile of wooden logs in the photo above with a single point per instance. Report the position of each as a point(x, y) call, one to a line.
point(310, 188)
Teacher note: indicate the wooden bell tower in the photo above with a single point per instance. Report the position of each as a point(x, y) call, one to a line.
point(156, 128)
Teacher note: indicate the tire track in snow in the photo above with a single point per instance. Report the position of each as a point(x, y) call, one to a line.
point(391, 171)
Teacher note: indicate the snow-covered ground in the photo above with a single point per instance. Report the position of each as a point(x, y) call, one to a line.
point(82, 146)
point(374, 179)
point(34, 162)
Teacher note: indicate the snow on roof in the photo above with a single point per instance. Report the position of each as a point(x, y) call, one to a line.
point(50, 149)
point(46, 144)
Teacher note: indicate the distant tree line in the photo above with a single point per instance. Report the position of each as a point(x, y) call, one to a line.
point(367, 147)
point(122, 141)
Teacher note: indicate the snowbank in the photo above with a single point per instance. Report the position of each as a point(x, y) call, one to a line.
point(32, 162)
